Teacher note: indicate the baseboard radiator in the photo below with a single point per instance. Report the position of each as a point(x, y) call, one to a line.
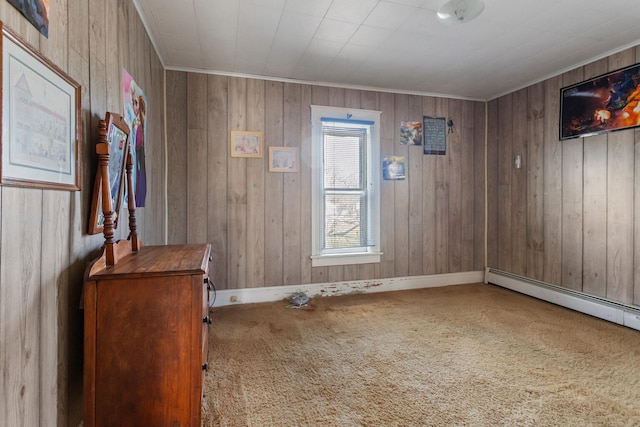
point(598, 307)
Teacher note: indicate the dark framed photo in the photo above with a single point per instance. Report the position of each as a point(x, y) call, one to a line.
point(605, 103)
point(41, 124)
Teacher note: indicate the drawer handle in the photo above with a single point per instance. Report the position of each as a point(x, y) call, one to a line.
point(206, 320)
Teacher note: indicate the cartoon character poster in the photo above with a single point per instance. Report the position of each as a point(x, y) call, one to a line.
point(135, 112)
point(36, 11)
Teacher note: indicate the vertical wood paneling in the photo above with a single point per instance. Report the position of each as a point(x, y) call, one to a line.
point(467, 187)
point(552, 184)
point(43, 371)
point(436, 186)
point(387, 197)
point(572, 174)
point(620, 178)
point(429, 225)
point(176, 135)
point(255, 189)
point(274, 187)
point(519, 183)
point(20, 293)
point(454, 157)
point(442, 199)
point(237, 189)
point(493, 184)
point(480, 169)
point(415, 184)
point(594, 273)
point(196, 146)
point(620, 192)
point(54, 271)
point(216, 175)
point(291, 196)
point(505, 175)
point(535, 182)
point(401, 214)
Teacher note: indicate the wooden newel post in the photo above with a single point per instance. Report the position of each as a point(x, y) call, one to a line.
point(103, 150)
point(133, 226)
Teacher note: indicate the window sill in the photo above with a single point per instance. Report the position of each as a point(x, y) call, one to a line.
point(345, 259)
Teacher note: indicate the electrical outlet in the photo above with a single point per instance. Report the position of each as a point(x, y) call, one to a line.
point(233, 298)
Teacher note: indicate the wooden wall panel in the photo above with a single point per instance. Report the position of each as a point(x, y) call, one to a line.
point(572, 165)
point(292, 192)
point(581, 206)
point(387, 198)
point(255, 188)
point(274, 188)
point(519, 183)
point(401, 193)
point(429, 199)
point(493, 183)
point(415, 187)
point(44, 247)
point(505, 175)
point(20, 293)
point(535, 182)
point(454, 176)
point(594, 273)
point(552, 184)
point(217, 165)
point(266, 239)
point(176, 138)
point(442, 199)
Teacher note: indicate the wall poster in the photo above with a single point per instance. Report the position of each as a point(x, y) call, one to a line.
point(135, 113)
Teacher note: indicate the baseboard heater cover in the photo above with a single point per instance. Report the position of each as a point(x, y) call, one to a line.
point(598, 307)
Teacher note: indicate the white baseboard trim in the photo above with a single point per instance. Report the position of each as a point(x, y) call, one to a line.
point(278, 293)
point(594, 306)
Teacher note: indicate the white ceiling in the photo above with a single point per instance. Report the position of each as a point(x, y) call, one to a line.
point(396, 45)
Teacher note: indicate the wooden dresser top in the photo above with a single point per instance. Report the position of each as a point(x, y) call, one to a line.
point(157, 260)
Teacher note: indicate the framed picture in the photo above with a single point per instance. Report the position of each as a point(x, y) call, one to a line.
point(283, 159)
point(41, 123)
point(434, 131)
point(393, 168)
point(605, 103)
point(117, 132)
point(246, 144)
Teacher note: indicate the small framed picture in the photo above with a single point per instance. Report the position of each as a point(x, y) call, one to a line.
point(283, 159)
point(246, 144)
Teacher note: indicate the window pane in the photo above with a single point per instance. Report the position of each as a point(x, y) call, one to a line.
point(343, 221)
point(342, 161)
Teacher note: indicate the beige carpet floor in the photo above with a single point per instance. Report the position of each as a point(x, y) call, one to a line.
point(469, 355)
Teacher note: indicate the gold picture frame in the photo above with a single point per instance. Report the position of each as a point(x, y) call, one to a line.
point(41, 122)
point(246, 144)
point(283, 159)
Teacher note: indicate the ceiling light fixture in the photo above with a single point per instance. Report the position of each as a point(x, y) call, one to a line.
point(460, 11)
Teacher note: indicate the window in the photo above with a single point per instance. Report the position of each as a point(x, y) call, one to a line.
point(345, 186)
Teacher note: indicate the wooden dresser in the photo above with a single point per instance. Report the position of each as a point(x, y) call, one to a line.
point(145, 336)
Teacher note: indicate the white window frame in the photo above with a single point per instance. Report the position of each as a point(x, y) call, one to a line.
point(372, 254)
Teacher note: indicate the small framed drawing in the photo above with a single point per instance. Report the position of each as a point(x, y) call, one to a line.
point(283, 159)
point(246, 144)
point(41, 123)
point(117, 132)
